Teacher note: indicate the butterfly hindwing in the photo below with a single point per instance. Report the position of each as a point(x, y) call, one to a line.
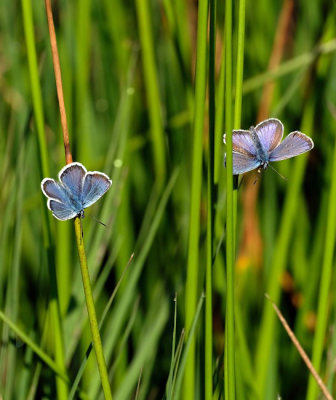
point(54, 190)
point(242, 163)
point(294, 144)
point(242, 142)
point(61, 211)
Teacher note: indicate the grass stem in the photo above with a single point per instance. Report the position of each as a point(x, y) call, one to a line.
point(229, 366)
point(196, 189)
point(97, 344)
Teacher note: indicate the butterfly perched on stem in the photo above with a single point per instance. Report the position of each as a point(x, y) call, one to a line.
point(77, 189)
point(261, 144)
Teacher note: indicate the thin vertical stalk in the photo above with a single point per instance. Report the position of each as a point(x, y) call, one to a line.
point(219, 123)
point(13, 292)
point(238, 99)
point(229, 368)
point(97, 344)
point(183, 32)
point(240, 65)
point(324, 292)
point(238, 108)
point(28, 24)
point(152, 90)
point(58, 78)
point(83, 29)
point(210, 219)
point(196, 185)
point(238, 91)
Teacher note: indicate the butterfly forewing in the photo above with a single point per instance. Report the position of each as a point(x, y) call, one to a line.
point(294, 144)
point(95, 185)
point(269, 133)
point(52, 189)
point(72, 177)
point(243, 163)
point(61, 211)
point(242, 142)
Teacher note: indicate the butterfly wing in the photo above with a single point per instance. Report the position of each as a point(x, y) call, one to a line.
point(242, 142)
point(72, 177)
point(59, 201)
point(78, 189)
point(54, 190)
point(95, 185)
point(61, 211)
point(294, 144)
point(242, 163)
point(269, 133)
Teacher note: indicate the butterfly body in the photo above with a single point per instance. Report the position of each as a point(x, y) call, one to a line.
point(76, 190)
point(257, 147)
point(261, 153)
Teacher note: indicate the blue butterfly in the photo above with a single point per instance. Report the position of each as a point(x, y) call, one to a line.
point(260, 145)
point(77, 189)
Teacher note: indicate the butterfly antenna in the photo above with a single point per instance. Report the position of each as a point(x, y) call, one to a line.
point(283, 177)
point(97, 220)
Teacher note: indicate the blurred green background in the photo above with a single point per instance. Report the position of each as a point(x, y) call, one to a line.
point(128, 71)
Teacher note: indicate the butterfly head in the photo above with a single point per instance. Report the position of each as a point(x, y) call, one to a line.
point(81, 214)
point(263, 165)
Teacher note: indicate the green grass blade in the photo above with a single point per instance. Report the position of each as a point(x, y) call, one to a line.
point(184, 359)
point(119, 314)
point(208, 348)
point(39, 120)
point(157, 319)
point(152, 90)
point(37, 350)
point(289, 66)
point(324, 290)
point(169, 385)
point(196, 188)
point(279, 260)
point(229, 365)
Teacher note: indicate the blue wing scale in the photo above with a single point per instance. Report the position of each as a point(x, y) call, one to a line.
point(294, 144)
point(242, 163)
point(61, 211)
point(269, 133)
point(95, 185)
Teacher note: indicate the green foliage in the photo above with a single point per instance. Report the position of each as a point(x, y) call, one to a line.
point(146, 97)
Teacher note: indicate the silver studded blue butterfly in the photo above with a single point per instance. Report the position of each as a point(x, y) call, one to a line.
point(77, 189)
point(260, 145)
